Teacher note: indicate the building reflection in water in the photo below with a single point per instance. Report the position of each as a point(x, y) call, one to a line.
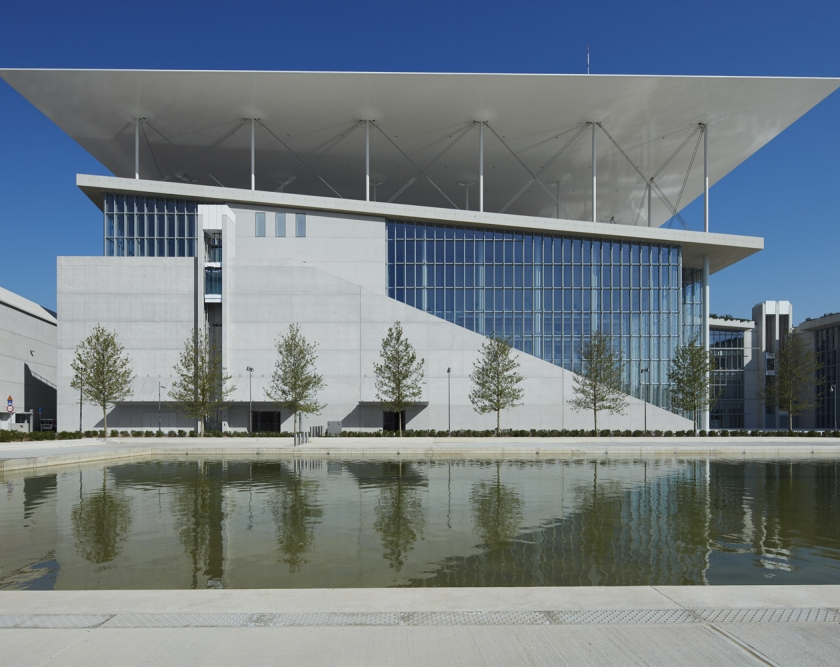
point(319, 523)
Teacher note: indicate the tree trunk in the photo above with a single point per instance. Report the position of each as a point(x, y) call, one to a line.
point(498, 423)
point(399, 422)
point(790, 418)
point(595, 412)
point(105, 421)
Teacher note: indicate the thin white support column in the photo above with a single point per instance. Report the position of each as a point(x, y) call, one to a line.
point(594, 177)
point(650, 203)
point(137, 149)
point(704, 420)
point(706, 178)
point(481, 167)
point(367, 160)
point(253, 171)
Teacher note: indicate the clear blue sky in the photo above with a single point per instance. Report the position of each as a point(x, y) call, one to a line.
point(786, 193)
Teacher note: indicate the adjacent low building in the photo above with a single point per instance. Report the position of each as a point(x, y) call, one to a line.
point(28, 338)
point(538, 208)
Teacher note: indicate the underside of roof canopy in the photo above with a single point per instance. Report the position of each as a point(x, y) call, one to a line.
point(309, 133)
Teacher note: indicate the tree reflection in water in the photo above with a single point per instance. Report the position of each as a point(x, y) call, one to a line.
point(497, 511)
point(101, 521)
point(656, 521)
point(197, 505)
point(399, 516)
point(296, 512)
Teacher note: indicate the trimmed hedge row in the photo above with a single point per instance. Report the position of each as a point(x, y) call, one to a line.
point(582, 433)
point(16, 436)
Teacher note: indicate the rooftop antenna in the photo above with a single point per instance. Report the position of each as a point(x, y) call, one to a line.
point(587, 58)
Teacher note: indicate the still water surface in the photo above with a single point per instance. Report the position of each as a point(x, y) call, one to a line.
point(327, 523)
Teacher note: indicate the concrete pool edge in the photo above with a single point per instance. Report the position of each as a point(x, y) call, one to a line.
point(22, 456)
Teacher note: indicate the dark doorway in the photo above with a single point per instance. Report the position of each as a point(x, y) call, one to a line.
point(265, 422)
point(390, 423)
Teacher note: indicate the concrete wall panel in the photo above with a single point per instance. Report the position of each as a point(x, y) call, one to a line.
point(27, 363)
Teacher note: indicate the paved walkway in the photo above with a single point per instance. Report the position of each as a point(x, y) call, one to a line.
point(27, 455)
point(731, 626)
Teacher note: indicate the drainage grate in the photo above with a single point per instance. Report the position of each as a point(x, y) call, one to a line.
point(52, 621)
point(775, 615)
point(331, 618)
point(426, 618)
point(474, 618)
point(179, 621)
point(622, 616)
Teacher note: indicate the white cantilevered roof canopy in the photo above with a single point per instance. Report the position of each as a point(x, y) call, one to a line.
point(310, 134)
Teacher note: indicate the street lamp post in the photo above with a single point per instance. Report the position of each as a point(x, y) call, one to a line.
point(250, 408)
point(646, 373)
point(80, 409)
point(160, 386)
point(834, 394)
point(449, 399)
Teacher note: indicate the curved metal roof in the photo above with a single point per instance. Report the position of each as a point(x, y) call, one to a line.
point(309, 136)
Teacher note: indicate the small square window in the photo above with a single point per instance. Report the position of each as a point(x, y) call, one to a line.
point(300, 224)
point(259, 226)
point(279, 224)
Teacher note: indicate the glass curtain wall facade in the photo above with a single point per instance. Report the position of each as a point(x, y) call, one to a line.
point(826, 341)
point(692, 302)
point(547, 293)
point(137, 226)
point(727, 378)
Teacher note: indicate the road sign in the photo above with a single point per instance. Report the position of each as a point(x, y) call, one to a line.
point(10, 408)
point(9, 401)
point(40, 410)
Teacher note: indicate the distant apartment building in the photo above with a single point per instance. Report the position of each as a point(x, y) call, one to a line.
point(823, 337)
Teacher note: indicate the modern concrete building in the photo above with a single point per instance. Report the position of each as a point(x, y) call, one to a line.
point(537, 207)
point(743, 355)
point(734, 375)
point(822, 335)
point(28, 337)
point(774, 322)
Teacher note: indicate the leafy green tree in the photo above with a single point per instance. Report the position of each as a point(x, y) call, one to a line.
point(295, 383)
point(495, 380)
point(200, 388)
point(599, 385)
point(102, 372)
point(689, 376)
point(791, 388)
point(399, 378)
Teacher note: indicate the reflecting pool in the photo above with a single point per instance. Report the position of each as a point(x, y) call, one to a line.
point(296, 523)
